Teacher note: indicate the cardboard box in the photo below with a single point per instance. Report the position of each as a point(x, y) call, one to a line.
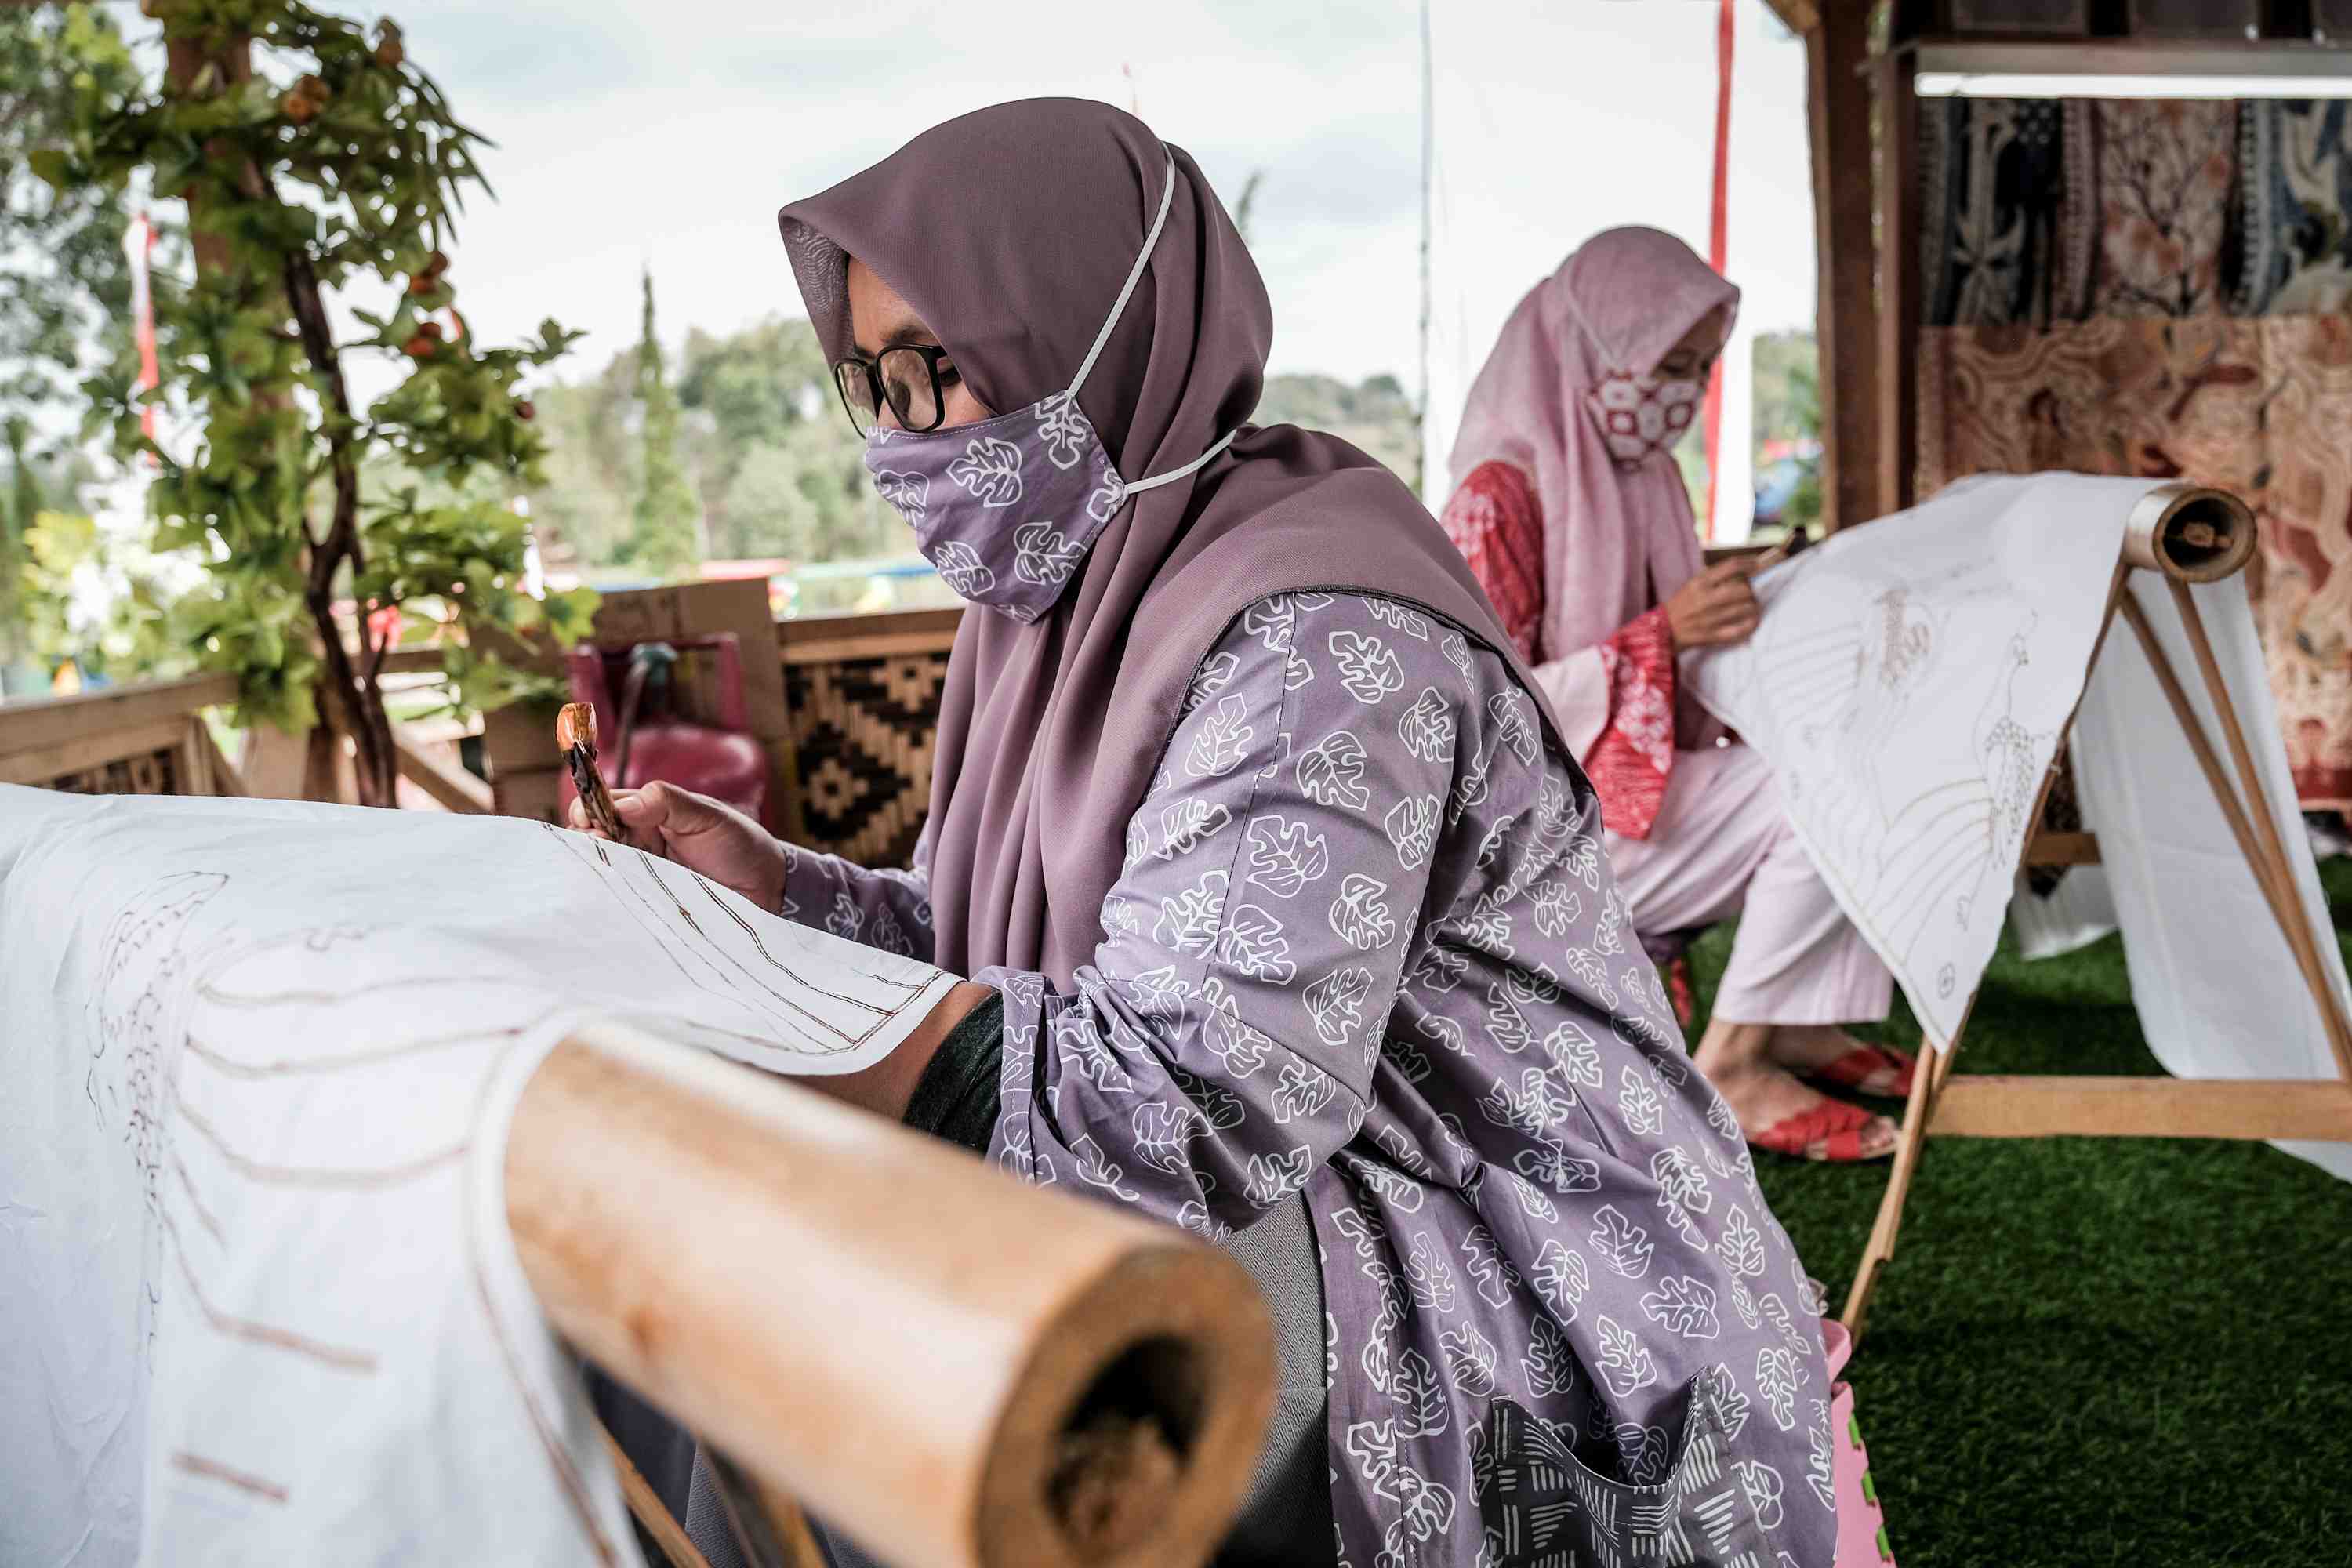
point(533, 793)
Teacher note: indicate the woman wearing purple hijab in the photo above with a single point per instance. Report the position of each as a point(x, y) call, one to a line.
point(1283, 906)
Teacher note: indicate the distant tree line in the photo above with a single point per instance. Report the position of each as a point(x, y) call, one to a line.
point(772, 463)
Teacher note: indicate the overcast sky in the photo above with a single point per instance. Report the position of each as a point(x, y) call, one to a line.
point(671, 131)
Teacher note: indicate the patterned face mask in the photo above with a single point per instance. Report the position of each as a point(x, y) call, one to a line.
point(1640, 415)
point(1007, 509)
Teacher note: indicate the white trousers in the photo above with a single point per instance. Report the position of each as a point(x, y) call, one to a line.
point(1721, 847)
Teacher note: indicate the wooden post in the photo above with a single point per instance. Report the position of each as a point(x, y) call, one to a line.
point(221, 775)
point(1897, 433)
point(1880, 1247)
point(1845, 316)
point(645, 1504)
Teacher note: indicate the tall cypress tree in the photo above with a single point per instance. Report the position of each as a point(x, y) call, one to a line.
point(665, 535)
point(17, 514)
point(65, 293)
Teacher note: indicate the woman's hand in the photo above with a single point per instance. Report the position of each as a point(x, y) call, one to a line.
point(701, 835)
point(1714, 608)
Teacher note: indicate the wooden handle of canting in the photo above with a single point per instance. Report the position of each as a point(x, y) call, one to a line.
point(575, 737)
point(958, 1369)
point(2191, 533)
point(575, 726)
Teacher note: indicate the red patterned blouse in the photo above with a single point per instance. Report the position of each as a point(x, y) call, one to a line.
point(1497, 522)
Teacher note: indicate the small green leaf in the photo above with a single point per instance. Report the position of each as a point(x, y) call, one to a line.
point(48, 163)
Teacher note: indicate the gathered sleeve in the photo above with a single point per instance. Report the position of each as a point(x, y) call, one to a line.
point(1221, 1046)
point(1497, 522)
point(1614, 700)
point(886, 908)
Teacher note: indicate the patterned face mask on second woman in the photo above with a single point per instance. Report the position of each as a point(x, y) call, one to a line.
point(1007, 508)
point(1640, 415)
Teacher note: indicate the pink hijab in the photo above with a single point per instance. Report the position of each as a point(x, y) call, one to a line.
point(1617, 541)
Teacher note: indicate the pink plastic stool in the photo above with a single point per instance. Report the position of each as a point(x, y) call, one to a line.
point(1861, 1528)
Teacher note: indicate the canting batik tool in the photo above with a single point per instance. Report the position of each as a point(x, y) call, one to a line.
point(575, 732)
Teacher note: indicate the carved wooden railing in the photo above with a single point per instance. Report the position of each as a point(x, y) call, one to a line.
point(848, 712)
point(150, 739)
point(850, 722)
point(153, 738)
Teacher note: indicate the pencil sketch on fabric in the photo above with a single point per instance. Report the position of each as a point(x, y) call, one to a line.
point(1910, 682)
point(253, 1252)
point(1909, 686)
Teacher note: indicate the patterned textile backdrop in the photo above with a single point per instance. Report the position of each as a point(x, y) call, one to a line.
point(2160, 289)
point(863, 733)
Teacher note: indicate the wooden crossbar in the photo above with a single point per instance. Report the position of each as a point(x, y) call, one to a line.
point(452, 787)
point(2000, 1105)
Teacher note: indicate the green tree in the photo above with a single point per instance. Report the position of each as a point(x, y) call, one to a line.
point(765, 386)
point(16, 515)
point(1787, 401)
point(65, 289)
point(807, 497)
point(1246, 208)
point(1788, 388)
point(762, 437)
point(585, 498)
point(337, 168)
point(779, 468)
point(99, 596)
point(666, 525)
point(1375, 414)
point(65, 280)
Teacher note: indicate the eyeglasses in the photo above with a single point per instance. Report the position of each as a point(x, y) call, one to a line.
point(905, 379)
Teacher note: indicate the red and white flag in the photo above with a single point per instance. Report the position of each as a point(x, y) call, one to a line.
point(1719, 236)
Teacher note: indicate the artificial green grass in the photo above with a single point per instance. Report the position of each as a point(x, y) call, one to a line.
point(2093, 1350)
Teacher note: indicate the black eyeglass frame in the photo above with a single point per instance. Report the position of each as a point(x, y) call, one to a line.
point(930, 354)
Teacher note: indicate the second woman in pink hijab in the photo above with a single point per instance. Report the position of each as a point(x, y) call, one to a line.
point(1573, 514)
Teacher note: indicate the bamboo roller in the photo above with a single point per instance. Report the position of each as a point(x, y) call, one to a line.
point(2189, 533)
point(958, 1369)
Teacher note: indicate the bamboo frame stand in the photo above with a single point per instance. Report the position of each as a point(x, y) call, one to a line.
point(2185, 535)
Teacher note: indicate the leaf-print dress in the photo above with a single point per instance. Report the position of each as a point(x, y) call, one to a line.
point(1365, 946)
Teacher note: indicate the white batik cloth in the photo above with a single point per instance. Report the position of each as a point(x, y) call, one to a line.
point(1910, 682)
point(262, 1305)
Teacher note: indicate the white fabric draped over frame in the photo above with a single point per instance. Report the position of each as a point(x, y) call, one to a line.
point(1910, 682)
point(261, 1299)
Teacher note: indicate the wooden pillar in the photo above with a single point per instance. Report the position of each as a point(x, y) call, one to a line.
point(1898, 281)
point(1845, 321)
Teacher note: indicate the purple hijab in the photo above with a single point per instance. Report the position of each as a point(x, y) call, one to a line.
point(1010, 231)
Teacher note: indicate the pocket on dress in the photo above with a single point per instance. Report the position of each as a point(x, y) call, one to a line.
point(1541, 1504)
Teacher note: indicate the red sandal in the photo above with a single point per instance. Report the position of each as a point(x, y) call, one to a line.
point(1880, 1071)
point(1832, 1131)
